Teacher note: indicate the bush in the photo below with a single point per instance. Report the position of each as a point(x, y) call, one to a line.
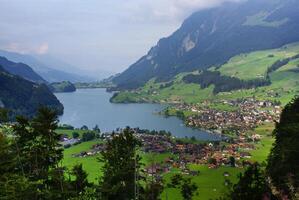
point(75, 135)
point(88, 136)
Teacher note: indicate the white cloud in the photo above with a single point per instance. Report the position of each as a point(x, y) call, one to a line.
point(168, 10)
point(26, 49)
point(42, 49)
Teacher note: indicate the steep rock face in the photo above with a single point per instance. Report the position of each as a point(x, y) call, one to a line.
point(23, 97)
point(210, 37)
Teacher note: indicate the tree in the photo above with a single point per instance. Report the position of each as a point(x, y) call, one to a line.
point(283, 160)
point(232, 161)
point(84, 127)
point(176, 180)
point(188, 189)
point(97, 129)
point(80, 183)
point(12, 184)
point(88, 136)
point(153, 190)
point(75, 135)
point(185, 184)
point(3, 115)
point(38, 150)
point(252, 185)
point(121, 167)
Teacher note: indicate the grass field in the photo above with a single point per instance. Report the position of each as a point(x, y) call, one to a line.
point(210, 182)
point(90, 164)
point(255, 64)
point(69, 133)
point(284, 81)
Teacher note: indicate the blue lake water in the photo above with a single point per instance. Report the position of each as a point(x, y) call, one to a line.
point(92, 107)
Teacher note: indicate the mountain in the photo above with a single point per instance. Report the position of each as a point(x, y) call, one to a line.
point(89, 75)
point(21, 69)
point(48, 72)
point(23, 97)
point(211, 37)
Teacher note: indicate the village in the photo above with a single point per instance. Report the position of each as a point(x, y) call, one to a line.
point(233, 150)
point(181, 153)
point(249, 113)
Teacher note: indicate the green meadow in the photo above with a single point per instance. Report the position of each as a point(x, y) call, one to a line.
point(211, 182)
point(284, 81)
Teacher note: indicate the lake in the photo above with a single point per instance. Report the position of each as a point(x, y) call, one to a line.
point(92, 107)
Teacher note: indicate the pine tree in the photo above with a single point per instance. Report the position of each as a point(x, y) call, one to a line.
point(12, 184)
point(81, 182)
point(121, 165)
point(283, 162)
point(252, 185)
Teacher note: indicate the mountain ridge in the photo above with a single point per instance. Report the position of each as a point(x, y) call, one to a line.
point(23, 97)
point(48, 73)
point(206, 40)
point(21, 69)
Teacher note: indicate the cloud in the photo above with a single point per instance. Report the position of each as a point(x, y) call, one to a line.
point(27, 49)
point(168, 10)
point(42, 49)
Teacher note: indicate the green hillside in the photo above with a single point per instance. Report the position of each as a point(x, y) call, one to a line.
point(284, 80)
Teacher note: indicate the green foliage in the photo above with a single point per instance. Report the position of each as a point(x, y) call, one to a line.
point(224, 83)
point(186, 186)
point(80, 183)
point(75, 135)
point(121, 167)
point(64, 86)
point(96, 129)
point(23, 97)
point(88, 136)
point(3, 115)
point(152, 191)
point(188, 189)
point(283, 160)
point(38, 147)
point(252, 185)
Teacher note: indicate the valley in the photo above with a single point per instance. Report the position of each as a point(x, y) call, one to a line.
point(209, 112)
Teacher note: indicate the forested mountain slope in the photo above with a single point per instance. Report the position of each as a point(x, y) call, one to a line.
point(211, 37)
point(21, 69)
point(23, 97)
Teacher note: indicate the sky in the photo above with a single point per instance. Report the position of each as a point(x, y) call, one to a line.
point(92, 35)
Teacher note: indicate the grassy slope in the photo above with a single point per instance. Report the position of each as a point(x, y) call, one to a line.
point(255, 64)
point(210, 182)
point(90, 164)
point(246, 66)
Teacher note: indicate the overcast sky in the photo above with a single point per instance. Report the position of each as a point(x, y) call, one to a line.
point(92, 34)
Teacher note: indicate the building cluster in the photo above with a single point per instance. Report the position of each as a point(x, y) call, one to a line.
point(249, 113)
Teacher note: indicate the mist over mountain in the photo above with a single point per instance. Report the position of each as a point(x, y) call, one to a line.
point(44, 68)
point(21, 70)
point(211, 37)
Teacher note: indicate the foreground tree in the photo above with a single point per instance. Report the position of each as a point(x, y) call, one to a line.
point(283, 162)
point(37, 144)
point(12, 184)
point(121, 168)
point(80, 183)
point(252, 185)
point(187, 187)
